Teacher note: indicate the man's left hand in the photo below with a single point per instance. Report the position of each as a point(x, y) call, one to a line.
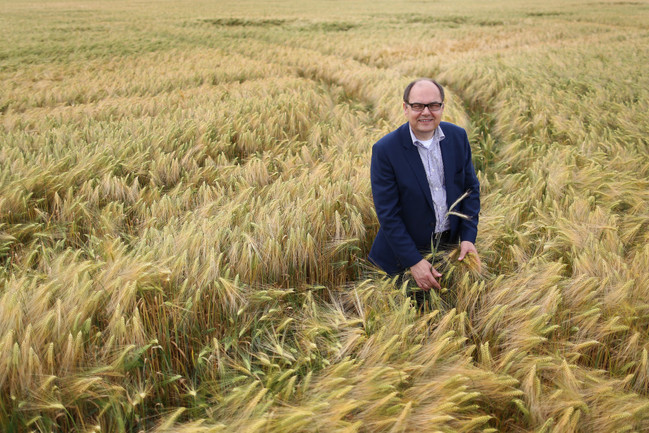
point(467, 247)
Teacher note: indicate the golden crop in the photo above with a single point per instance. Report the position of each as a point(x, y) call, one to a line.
point(185, 213)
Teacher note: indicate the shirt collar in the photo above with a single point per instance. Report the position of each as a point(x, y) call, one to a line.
point(438, 135)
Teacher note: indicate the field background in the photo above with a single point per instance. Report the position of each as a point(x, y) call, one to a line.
point(185, 213)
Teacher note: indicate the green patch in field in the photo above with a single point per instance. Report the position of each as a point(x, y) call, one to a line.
point(430, 19)
point(490, 23)
point(245, 22)
point(545, 14)
point(451, 21)
point(331, 26)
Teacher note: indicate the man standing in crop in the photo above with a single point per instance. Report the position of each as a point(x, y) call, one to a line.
point(418, 171)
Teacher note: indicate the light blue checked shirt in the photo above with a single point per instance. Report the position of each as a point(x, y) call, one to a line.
point(431, 156)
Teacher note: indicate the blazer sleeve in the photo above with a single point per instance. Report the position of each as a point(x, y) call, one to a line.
point(385, 193)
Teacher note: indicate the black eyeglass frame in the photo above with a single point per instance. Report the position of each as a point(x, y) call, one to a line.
point(420, 106)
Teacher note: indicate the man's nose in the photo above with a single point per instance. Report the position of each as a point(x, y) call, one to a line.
point(427, 108)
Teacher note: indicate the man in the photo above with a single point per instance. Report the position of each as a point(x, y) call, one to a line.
point(418, 171)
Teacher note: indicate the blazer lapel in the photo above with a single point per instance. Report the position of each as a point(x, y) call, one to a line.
point(414, 160)
point(448, 158)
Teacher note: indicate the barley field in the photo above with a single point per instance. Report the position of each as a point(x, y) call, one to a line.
point(185, 215)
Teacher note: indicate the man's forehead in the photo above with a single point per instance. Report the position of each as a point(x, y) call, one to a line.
point(424, 88)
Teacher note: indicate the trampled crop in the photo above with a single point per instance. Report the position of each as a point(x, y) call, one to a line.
point(185, 212)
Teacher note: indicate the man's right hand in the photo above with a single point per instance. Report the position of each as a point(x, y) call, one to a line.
point(425, 275)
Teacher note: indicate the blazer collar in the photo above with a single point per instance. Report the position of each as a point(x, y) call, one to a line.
point(411, 154)
point(414, 160)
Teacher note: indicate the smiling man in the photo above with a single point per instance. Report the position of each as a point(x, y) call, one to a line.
point(418, 171)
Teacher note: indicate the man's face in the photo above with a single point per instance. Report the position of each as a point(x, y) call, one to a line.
point(423, 123)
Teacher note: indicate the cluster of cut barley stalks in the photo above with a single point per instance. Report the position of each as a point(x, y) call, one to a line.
point(185, 213)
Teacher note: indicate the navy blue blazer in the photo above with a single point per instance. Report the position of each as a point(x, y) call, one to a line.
point(403, 201)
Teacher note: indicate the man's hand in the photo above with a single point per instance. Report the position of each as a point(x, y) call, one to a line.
point(467, 247)
point(425, 275)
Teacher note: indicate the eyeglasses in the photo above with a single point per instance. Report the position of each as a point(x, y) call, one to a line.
point(419, 107)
